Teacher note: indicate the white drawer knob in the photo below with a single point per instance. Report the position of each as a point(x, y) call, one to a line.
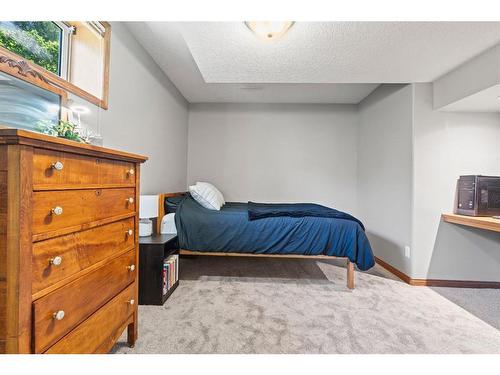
point(131, 172)
point(56, 261)
point(131, 267)
point(130, 200)
point(59, 315)
point(57, 210)
point(131, 302)
point(129, 232)
point(58, 166)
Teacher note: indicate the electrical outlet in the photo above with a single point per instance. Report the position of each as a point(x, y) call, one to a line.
point(407, 251)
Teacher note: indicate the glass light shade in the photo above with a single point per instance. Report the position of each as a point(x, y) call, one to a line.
point(269, 29)
point(148, 206)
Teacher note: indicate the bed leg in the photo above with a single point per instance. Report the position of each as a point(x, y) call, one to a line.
point(350, 274)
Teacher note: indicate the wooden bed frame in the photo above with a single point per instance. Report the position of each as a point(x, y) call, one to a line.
point(161, 213)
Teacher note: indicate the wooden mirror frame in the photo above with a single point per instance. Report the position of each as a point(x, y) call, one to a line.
point(24, 71)
point(15, 65)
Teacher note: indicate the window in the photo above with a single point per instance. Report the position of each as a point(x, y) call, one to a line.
point(47, 44)
point(70, 55)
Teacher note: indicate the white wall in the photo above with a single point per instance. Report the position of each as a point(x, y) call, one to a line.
point(385, 171)
point(447, 145)
point(146, 115)
point(276, 152)
point(310, 153)
point(477, 74)
point(410, 157)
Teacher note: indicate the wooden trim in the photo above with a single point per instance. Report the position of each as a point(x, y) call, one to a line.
point(456, 283)
point(25, 137)
point(68, 86)
point(16, 67)
point(107, 61)
point(393, 270)
point(51, 81)
point(438, 282)
point(487, 223)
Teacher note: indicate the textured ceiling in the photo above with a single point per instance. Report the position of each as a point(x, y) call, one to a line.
point(318, 62)
point(164, 42)
point(332, 52)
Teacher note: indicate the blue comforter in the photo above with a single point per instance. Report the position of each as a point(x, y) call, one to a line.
point(230, 230)
point(258, 211)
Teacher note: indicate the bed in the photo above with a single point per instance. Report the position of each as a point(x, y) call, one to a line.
point(229, 232)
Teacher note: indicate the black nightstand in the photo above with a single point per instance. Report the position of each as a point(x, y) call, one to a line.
point(153, 250)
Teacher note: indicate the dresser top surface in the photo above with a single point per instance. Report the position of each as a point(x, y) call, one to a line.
point(20, 136)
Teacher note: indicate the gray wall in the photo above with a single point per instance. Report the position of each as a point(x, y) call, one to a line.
point(146, 115)
point(384, 170)
point(477, 74)
point(447, 145)
point(409, 158)
point(392, 160)
point(276, 152)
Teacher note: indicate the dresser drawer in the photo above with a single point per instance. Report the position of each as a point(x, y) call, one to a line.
point(61, 257)
point(53, 169)
point(60, 311)
point(54, 210)
point(101, 330)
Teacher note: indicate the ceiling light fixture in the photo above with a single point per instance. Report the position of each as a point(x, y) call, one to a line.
point(268, 29)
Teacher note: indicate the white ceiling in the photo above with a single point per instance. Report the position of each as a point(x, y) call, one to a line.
point(315, 62)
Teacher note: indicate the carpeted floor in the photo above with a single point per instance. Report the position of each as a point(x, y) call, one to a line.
point(251, 305)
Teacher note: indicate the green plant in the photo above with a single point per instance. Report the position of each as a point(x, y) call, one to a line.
point(35, 41)
point(62, 129)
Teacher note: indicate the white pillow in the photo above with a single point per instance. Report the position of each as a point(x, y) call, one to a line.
point(208, 185)
point(207, 195)
point(168, 224)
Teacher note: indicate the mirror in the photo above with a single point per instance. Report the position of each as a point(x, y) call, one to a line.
point(70, 55)
point(23, 105)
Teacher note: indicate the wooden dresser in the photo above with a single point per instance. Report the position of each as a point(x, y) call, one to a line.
point(68, 245)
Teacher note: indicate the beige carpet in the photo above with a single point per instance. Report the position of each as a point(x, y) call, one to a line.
point(249, 305)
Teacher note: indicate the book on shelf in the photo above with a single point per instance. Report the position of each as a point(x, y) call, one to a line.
point(176, 267)
point(165, 278)
point(170, 272)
